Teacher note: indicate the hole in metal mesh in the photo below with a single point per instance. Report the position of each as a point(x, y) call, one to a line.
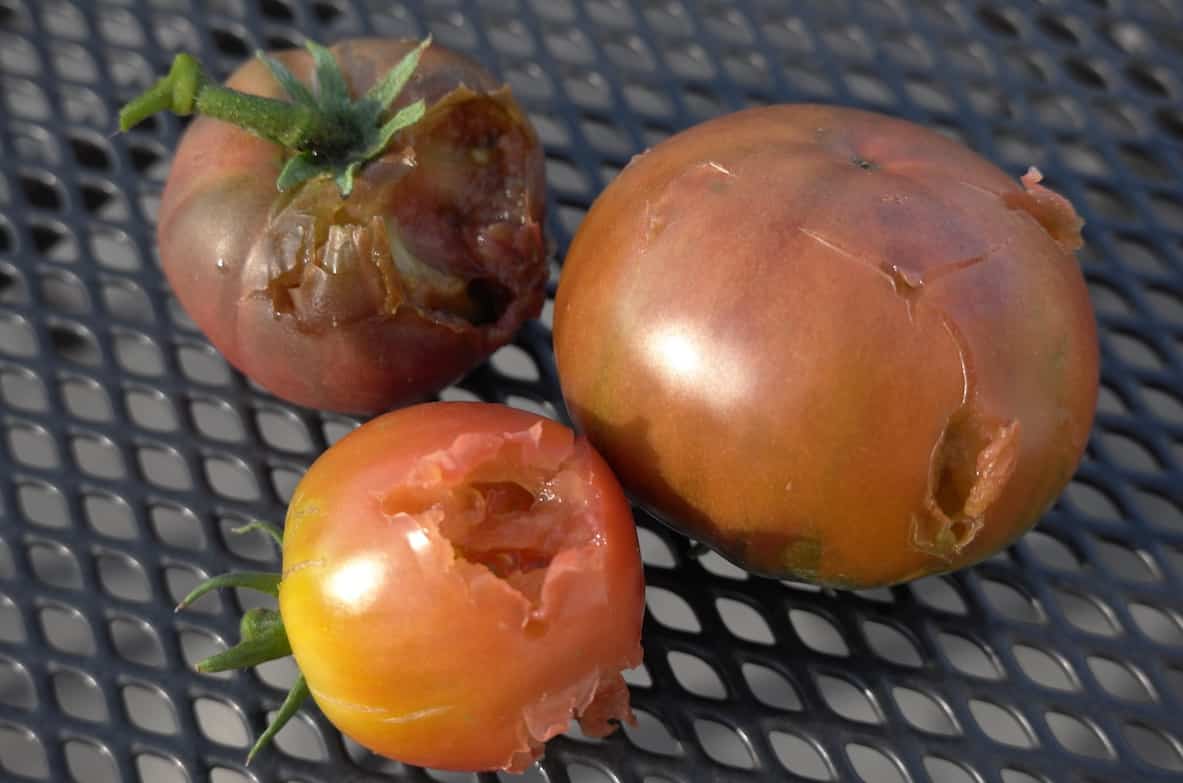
point(1002, 724)
point(892, 644)
point(23, 390)
point(43, 504)
point(1046, 669)
point(300, 739)
point(22, 753)
point(114, 249)
point(638, 677)
point(744, 622)
point(231, 478)
point(1121, 679)
point(874, 765)
point(217, 419)
point(16, 336)
point(252, 545)
point(652, 734)
point(1155, 747)
point(654, 550)
point(164, 467)
point(90, 762)
point(1129, 453)
point(202, 364)
point(16, 686)
point(149, 708)
point(55, 565)
point(66, 629)
point(696, 675)
point(724, 744)
point(32, 445)
point(197, 645)
point(221, 722)
point(53, 241)
point(65, 292)
point(227, 775)
point(98, 456)
point(74, 343)
point(138, 354)
point(1118, 560)
point(818, 633)
point(1087, 613)
point(942, 770)
point(284, 481)
point(134, 640)
point(970, 657)
point(79, 696)
point(1078, 736)
point(159, 769)
point(1049, 551)
point(279, 673)
point(86, 398)
point(1012, 603)
point(851, 701)
point(109, 515)
point(585, 773)
point(12, 625)
point(151, 409)
point(938, 593)
point(177, 526)
point(1160, 511)
point(801, 756)
point(1161, 625)
point(720, 566)
point(122, 577)
point(771, 688)
point(283, 430)
point(926, 712)
point(127, 301)
point(671, 610)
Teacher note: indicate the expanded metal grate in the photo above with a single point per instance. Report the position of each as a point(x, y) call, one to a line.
point(129, 447)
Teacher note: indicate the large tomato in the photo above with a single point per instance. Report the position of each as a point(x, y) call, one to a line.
point(459, 581)
point(363, 302)
point(834, 345)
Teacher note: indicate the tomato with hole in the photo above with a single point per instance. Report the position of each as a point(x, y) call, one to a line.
point(459, 581)
point(834, 345)
point(364, 302)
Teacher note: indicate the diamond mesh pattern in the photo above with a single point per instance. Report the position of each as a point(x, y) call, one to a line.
point(129, 448)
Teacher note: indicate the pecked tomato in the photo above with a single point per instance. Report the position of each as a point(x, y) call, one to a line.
point(834, 345)
point(365, 301)
point(459, 581)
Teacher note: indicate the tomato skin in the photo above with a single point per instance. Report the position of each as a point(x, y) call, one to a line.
point(413, 649)
point(833, 345)
point(338, 322)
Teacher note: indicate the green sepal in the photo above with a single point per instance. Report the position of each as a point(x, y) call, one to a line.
point(380, 97)
point(263, 581)
point(295, 697)
point(291, 85)
point(301, 168)
point(266, 527)
point(404, 117)
point(263, 639)
point(332, 94)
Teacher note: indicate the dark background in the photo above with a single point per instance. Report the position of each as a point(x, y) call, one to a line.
point(129, 448)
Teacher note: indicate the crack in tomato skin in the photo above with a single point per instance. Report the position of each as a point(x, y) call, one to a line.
point(488, 535)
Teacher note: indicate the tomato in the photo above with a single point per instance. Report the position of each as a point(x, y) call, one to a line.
point(363, 302)
point(834, 345)
point(459, 580)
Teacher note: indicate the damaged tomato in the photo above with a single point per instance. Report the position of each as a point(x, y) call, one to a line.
point(834, 345)
point(460, 580)
point(374, 235)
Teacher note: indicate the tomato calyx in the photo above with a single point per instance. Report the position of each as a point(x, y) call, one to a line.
point(328, 133)
point(262, 635)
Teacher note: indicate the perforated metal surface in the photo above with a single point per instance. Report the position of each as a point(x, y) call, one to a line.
point(129, 448)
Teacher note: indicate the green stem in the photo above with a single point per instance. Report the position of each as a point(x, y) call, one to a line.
point(186, 89)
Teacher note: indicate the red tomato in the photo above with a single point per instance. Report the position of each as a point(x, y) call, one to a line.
point(835, 345)
point(362, 303)
point(459, 581)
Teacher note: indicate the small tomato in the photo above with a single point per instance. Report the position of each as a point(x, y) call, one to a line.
point(459, 581)
point(378, 235)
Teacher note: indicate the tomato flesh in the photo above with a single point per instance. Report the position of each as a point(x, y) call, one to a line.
point(460, 581)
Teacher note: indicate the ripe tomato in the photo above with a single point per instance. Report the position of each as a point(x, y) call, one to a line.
point(834, 345)
point(459, 581)
point(365, 302)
